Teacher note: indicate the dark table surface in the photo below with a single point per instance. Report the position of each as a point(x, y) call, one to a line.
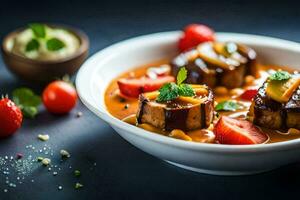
point(111, 168)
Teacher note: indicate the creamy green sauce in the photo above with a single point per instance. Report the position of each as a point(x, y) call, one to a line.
point(18, 44)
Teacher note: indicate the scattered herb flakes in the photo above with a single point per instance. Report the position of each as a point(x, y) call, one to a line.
point(55, 44)
point(27, 100)
point(64, 154)
point(39, 30)
point(77, 173)
point(78, 185)
point(43, 137)
point(280, 76)
point(46, 161)
point(228, 106)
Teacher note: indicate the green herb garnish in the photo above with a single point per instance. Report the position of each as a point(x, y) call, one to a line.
point(78, 185)
point(228, 106)
point(181, 76)
point(55, 44)
point(280, 76)
point(186, 90)
point(38, 30)
point(170, 91)
point(27, 100)
point(32, 45)
point(40, 36)
point(77, 173)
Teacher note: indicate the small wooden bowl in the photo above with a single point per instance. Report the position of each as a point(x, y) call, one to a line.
point(45, 71)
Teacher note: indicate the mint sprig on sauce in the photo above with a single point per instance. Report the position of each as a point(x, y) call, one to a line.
point(40, 36)
point(280, 76)
point(170, 91)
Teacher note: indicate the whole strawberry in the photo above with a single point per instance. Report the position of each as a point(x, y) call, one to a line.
point(10, 117)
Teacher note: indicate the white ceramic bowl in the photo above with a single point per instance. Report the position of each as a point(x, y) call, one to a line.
point(97, 72)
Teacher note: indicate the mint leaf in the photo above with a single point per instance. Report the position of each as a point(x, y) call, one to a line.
point(171, 91)
point(29, 111)
point(32, 45)
point(168, 92)
point(38, 30)
point(186, 90)
point(181, 76)
point(228, 106)
point(280, 76)
point(27, 101)
point(55, 44)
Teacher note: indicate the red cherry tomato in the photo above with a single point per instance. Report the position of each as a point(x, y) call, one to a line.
point(59, 97)
point(195, 34)
point(11, 117)
point(238, 131)
point(136, 86)
point(248, 94)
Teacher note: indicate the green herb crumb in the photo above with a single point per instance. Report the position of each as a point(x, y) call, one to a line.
point(77, 173)
point(78, 185)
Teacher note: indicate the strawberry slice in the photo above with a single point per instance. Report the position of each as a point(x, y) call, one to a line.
point(134, 87)
point(249, 94)
point(237, 131)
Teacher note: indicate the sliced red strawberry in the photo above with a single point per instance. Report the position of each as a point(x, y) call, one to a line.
point(237, 131)
point(11, 117)
point(134, 87)
point(248, 94)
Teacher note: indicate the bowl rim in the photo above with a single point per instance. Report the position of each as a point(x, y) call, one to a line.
point(87, 68)
point(81, 35)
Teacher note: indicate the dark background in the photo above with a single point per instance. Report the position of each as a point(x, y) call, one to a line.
point(121, 170)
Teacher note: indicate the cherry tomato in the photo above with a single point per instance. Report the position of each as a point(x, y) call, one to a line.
point(59, 97)
point(195, 34)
